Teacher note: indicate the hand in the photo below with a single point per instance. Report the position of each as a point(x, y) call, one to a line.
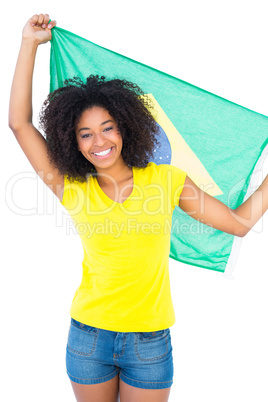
point(38, 29)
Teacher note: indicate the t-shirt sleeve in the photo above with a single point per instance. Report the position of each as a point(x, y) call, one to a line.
point(173, 179)
point(73, 194)
point(69, 192)
point(64, 196)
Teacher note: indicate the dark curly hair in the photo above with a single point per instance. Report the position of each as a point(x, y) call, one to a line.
point(122, 99)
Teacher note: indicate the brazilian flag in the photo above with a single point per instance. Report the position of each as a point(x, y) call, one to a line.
point(220, 144)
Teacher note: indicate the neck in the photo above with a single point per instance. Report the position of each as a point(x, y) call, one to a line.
point(117, 173)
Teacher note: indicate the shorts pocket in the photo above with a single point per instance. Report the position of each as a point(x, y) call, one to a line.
point(147, 336)
point(151, 346)
point(82, 339)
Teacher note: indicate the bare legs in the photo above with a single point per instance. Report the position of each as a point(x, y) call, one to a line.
point(104, 392)
point(133, 394)
point(109, 391)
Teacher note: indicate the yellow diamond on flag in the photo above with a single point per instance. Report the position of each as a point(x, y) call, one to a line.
point(182, 156)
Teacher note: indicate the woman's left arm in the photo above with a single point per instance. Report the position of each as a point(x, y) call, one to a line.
point(210, 211)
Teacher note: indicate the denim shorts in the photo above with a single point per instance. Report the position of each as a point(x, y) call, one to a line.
point(142, 359)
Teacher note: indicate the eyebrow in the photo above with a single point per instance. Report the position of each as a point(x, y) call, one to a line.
point(87, 128)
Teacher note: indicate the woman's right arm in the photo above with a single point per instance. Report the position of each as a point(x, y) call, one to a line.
point(36, 31)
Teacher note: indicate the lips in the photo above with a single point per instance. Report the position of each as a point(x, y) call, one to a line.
point(103, 154)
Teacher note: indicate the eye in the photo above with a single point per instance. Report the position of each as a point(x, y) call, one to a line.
point(85, 135)
point(108, 128)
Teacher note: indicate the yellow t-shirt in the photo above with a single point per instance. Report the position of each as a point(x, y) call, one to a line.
point(125, 284)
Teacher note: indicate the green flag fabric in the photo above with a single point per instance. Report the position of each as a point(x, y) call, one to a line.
point(219, 144)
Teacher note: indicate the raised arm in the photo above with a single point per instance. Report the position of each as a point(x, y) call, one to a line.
point(213, 212)
point(36, 31)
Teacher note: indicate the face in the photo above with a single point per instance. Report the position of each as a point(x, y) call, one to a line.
point(98, 138)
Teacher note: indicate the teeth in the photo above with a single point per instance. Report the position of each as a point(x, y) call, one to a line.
point(103, 152)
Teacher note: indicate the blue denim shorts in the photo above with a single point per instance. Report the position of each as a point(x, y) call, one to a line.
point(142, 359)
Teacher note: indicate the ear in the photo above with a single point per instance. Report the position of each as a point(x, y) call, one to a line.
point(78, 148)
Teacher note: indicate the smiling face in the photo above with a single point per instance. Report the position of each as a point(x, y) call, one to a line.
point(98, 138)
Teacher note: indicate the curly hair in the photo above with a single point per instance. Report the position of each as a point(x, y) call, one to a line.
point(62, 109)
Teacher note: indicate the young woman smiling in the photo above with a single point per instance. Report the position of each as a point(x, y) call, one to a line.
point(100, 136)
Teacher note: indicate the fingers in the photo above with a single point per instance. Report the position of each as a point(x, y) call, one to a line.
point(45, 22)
point(52, 24)
point(42, 21)
point(34, 20)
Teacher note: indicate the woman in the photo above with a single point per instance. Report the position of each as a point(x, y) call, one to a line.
point(100, 135)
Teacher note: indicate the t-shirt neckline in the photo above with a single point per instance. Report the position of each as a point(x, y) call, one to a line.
point(107, 199)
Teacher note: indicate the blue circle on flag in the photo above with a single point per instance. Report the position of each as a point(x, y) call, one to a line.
point(162, 152)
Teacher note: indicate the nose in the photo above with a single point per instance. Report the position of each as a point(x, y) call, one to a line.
point(99, 139)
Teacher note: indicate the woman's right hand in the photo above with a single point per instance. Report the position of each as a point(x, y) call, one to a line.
point(38, 29)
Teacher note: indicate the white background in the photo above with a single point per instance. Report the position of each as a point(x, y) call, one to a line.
point(220, 337)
